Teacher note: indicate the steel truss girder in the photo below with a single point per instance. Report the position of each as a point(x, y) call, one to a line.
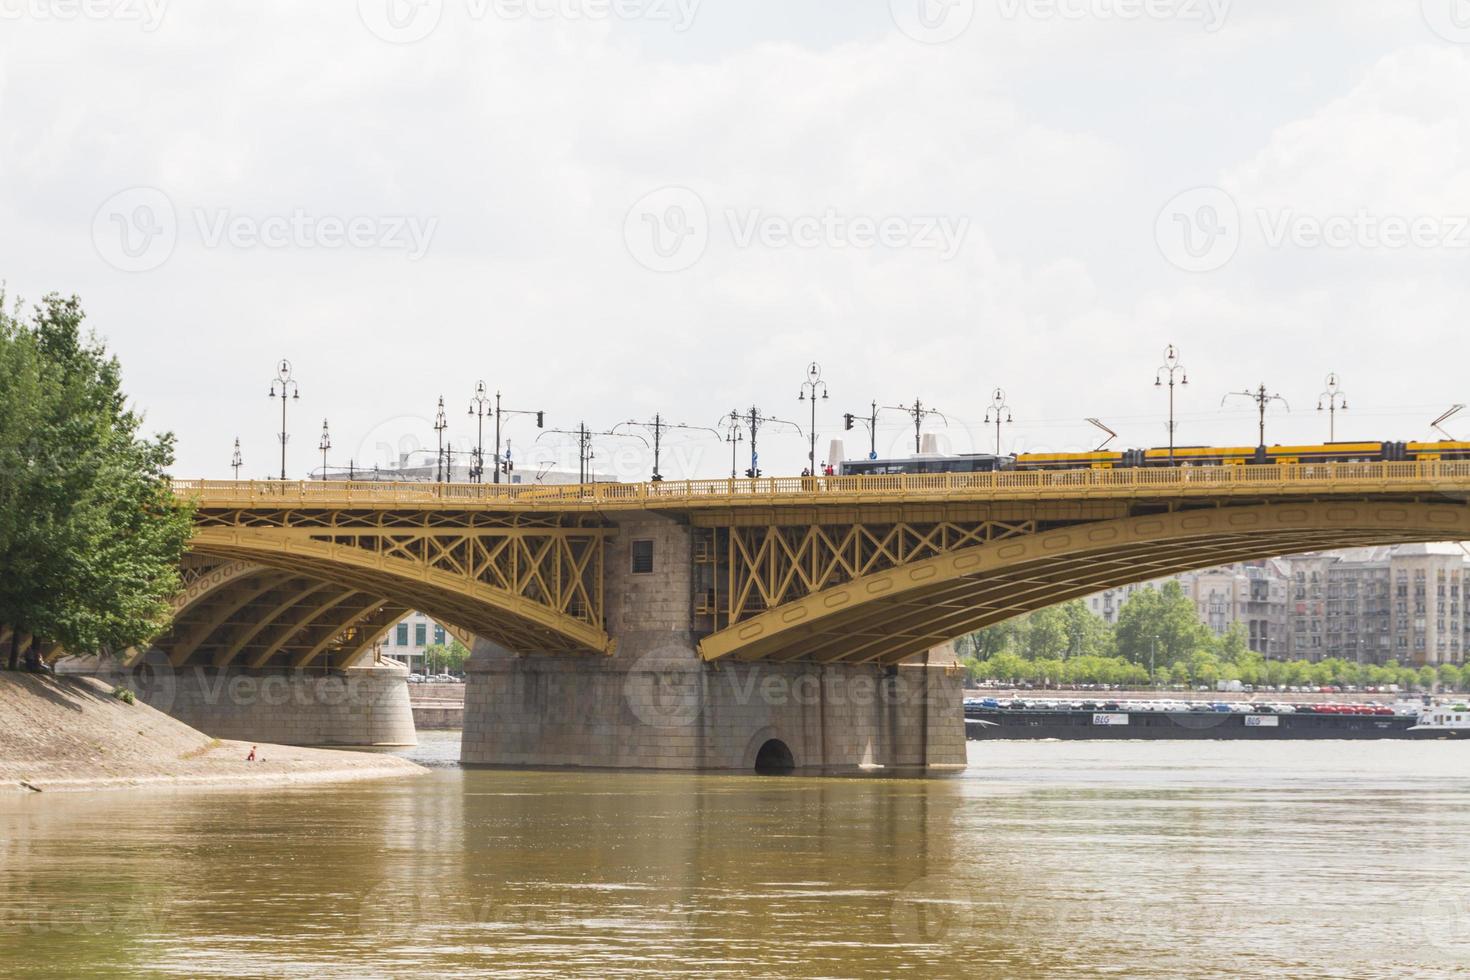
point(533, 589)
point(773, 565)
point(530, 581)
point(894, 612)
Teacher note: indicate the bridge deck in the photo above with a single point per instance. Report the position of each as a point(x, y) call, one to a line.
point(1306, 480)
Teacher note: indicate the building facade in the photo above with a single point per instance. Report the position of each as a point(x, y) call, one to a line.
point(408, 639)
point(1373, 605)
point(1253, 595)
point(1366, 605)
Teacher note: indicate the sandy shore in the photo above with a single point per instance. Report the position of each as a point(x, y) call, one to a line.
point(70, 734)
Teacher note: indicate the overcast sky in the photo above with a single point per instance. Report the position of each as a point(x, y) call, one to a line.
point(612, 208)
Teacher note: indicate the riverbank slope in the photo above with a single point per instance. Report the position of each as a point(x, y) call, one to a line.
point(70, 733)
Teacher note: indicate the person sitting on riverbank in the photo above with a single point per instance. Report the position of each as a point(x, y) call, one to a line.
point(251, 756)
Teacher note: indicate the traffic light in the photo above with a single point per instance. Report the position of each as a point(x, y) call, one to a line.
point(749, 473)
point(540, 420)
point(848, 421)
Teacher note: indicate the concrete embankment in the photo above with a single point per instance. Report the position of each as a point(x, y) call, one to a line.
point(70, 733)
point(437, 706)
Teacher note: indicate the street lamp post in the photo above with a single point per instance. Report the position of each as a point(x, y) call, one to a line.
point(1002, 413)
point(1170, 368)
point(1263, 398)
point(918, 413)
point(812, 385)
point(324, 445)
point(755, 459)
point(586, 451)
point(1331, 400)
point(479, 407)
point(496, 476)
point(236, 460)
point(658, 427)
point(658, 440)
point(283, 387)
point(735, 438)
point(753, 423)
point(441, 423)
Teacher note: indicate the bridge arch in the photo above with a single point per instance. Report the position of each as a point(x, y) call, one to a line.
point(237, 613)
point(545, 617)
point(891, 615)
point(774, 758)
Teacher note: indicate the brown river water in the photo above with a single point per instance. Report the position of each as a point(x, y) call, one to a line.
point(1162, 859)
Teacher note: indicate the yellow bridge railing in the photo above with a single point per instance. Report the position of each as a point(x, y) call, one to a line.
point(1451, 477)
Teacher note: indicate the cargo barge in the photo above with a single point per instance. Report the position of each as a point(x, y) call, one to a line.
point(1036, 721)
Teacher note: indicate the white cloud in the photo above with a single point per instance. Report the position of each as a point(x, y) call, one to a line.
point(529, 142)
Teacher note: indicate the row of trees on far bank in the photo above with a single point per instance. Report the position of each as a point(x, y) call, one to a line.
point(90, 534)
point(1159, 640)
point(440, 658)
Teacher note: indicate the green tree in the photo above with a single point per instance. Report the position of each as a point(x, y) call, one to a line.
point(1161, 623)
point(1043, 634)
point(1088, 634)
point(1204, 668)
point(440, 657)
point(985, 643)
point(1233, 645)
point(90, 532)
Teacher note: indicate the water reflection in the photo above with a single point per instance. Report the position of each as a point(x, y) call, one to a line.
point(1044, 860)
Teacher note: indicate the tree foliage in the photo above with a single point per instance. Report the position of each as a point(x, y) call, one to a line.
point(440, 658)
point(1160, 624)
point(90, 533)
point(1068, 645)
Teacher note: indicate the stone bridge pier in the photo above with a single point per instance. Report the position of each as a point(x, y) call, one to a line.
point(354, 707)
point(656, 704)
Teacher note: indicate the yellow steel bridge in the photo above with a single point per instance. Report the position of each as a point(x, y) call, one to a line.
point(825, 569)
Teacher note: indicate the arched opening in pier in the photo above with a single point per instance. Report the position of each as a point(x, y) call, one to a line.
point(774, 759)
